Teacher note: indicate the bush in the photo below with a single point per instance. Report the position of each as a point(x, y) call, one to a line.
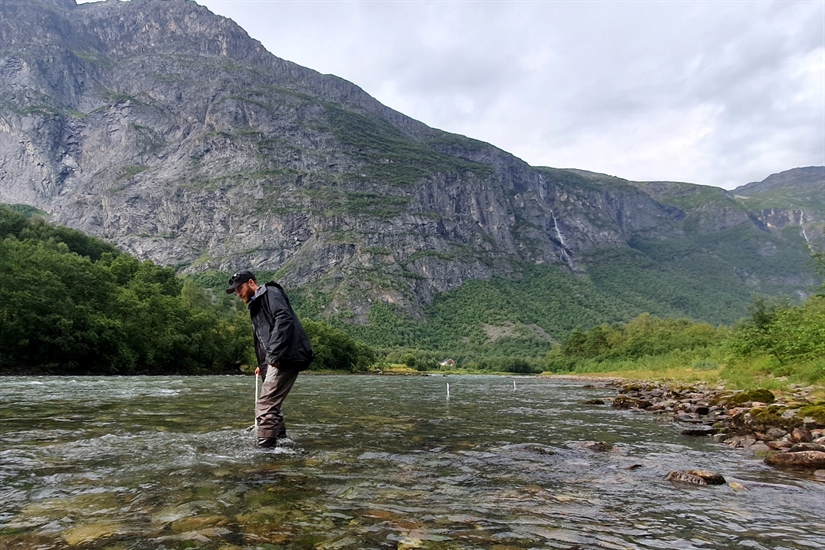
point(336, 350)
point(787, 333)
point(85, 308)
point(645, 336)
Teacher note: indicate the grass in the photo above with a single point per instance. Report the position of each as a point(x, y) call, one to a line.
point(386, 154)
point(711, 367)
point(335, 202)
point(26, 210)
point(392, 368)
point(128, 172)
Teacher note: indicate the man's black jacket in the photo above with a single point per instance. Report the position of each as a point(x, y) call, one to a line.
point(279, 337)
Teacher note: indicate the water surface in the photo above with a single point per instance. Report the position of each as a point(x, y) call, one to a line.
point(381, 462)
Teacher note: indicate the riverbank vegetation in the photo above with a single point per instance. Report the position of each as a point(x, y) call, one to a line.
point(72, 304)
point(776, 346)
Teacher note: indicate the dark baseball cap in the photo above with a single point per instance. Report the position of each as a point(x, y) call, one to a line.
point(238, 279)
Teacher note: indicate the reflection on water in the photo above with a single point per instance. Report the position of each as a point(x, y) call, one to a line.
point(381, 462)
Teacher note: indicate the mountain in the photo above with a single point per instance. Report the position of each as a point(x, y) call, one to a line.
point(795, 198)
point(166, 130)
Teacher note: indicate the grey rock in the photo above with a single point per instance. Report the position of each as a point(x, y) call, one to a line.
point(759, 447)
point(683, 477)
point(801, 435)
point(776, 433)
point(700, 432)
point(802, 459)
point(711, 478)
point(798, 447)
point(597, 446)
point(626, 402)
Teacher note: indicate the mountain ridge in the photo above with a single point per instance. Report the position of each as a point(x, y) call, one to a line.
point(167, 130)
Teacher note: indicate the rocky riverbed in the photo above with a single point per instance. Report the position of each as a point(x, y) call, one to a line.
point(789, 429)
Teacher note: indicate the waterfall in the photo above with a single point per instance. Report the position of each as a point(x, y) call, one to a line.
point(565, 255)
point(558, 231)
point(801, 224)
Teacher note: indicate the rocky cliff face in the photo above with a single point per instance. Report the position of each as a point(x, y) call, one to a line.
point(794, 198)
point(167, 130)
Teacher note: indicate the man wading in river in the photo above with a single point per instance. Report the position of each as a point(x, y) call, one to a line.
point(282, 348)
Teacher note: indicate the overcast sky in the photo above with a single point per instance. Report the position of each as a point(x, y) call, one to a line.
point(713, 92)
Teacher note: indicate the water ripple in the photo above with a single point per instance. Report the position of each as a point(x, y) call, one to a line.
point(381, 462)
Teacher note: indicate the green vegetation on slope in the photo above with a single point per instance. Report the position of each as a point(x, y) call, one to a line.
point(117, 315)
point(390, 156)
point(642, 337)
point(522, 318)
point(776, 345)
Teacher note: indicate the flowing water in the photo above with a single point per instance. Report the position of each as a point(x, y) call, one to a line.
point(381, 462)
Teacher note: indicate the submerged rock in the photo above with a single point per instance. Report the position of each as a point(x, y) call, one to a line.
point(696, 477)
point(597, 446)
point(684, 477)
point(594, 402)
point(698, 432)
point(530, 448)
point(710, 477)
point(626, 402)
point(91, 532)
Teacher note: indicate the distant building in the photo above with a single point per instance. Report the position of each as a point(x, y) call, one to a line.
point(447, 363)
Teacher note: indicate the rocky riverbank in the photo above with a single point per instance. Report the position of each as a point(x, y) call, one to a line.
point(789, 429)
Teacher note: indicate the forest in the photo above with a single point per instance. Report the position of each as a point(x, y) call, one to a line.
point(73, 305)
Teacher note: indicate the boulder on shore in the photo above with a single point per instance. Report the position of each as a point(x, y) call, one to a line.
point(756, 420)
point(801, 459)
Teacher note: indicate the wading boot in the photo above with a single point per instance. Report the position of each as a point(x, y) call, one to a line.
point(267, 442)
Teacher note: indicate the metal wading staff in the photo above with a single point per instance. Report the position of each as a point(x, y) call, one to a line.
point(254, 409)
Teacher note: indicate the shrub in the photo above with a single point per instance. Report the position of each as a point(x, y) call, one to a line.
point(336, 350)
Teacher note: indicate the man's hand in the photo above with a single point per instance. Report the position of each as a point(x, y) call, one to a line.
point(257, 371)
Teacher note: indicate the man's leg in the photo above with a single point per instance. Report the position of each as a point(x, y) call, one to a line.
point(276, 387)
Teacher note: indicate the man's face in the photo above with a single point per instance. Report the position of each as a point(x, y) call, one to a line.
point(245, 291)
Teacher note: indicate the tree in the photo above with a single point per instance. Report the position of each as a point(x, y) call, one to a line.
point(335, 349)
point(69, 305)
point(819, 263)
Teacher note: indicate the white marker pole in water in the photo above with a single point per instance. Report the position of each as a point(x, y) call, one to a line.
point(256, 401)
point(448, 390)
point(514, 385)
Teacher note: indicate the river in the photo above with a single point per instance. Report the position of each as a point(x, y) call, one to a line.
point(381, 462)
